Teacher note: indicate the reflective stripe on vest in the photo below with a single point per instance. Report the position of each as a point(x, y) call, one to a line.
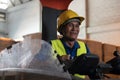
point(59, 48)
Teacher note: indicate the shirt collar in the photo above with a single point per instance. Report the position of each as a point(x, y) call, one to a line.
point(76, 45)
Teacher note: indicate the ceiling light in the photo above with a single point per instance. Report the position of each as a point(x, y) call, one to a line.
point(4, 4)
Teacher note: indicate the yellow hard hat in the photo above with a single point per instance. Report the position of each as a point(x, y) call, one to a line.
point(67, 15)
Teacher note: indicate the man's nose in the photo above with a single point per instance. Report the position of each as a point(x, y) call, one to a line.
point(74, 26)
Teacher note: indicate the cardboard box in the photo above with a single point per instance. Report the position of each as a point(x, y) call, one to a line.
point(6, 43)
point(108, 51)
point(34, 35)
point(95, 48)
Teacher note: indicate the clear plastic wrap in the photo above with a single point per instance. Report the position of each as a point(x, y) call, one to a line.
point(32, 56)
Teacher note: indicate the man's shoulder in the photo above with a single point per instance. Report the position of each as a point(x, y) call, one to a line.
point(81, 40)
point(55, 40)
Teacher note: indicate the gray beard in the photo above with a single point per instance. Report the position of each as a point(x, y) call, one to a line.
point(69, 39)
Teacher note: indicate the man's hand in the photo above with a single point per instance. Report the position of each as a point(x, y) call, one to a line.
point(65, 57)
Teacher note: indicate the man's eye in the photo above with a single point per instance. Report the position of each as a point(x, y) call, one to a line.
point(73, 25)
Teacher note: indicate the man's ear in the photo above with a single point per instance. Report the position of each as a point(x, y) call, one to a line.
point(63, 30)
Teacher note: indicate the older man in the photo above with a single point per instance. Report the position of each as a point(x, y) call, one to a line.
point(68, 47)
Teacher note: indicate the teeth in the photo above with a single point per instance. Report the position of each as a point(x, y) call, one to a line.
point(74, 32)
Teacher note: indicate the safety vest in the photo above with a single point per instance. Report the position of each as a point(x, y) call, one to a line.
point(59, 48)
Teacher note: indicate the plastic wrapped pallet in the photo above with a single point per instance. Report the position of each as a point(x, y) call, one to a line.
point(31, 59)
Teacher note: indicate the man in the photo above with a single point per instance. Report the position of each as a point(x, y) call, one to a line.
point(50, 11)
point(68, 47)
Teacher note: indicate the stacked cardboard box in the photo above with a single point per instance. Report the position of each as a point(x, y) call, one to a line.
point(95, 48)
point(33, 35)
point(6, 43)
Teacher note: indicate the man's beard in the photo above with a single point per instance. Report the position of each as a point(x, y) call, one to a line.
point(69, 39)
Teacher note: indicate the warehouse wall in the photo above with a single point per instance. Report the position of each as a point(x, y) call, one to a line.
point(3, 29)
point(20, 24)
point(24, 19)
point(104, 21)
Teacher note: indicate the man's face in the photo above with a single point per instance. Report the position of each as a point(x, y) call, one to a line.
point(71, 30)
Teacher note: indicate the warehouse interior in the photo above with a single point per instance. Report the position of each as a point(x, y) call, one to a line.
point(21, 24)
point(101, 20)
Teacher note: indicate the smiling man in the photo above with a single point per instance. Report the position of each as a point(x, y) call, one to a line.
point(68, 47)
